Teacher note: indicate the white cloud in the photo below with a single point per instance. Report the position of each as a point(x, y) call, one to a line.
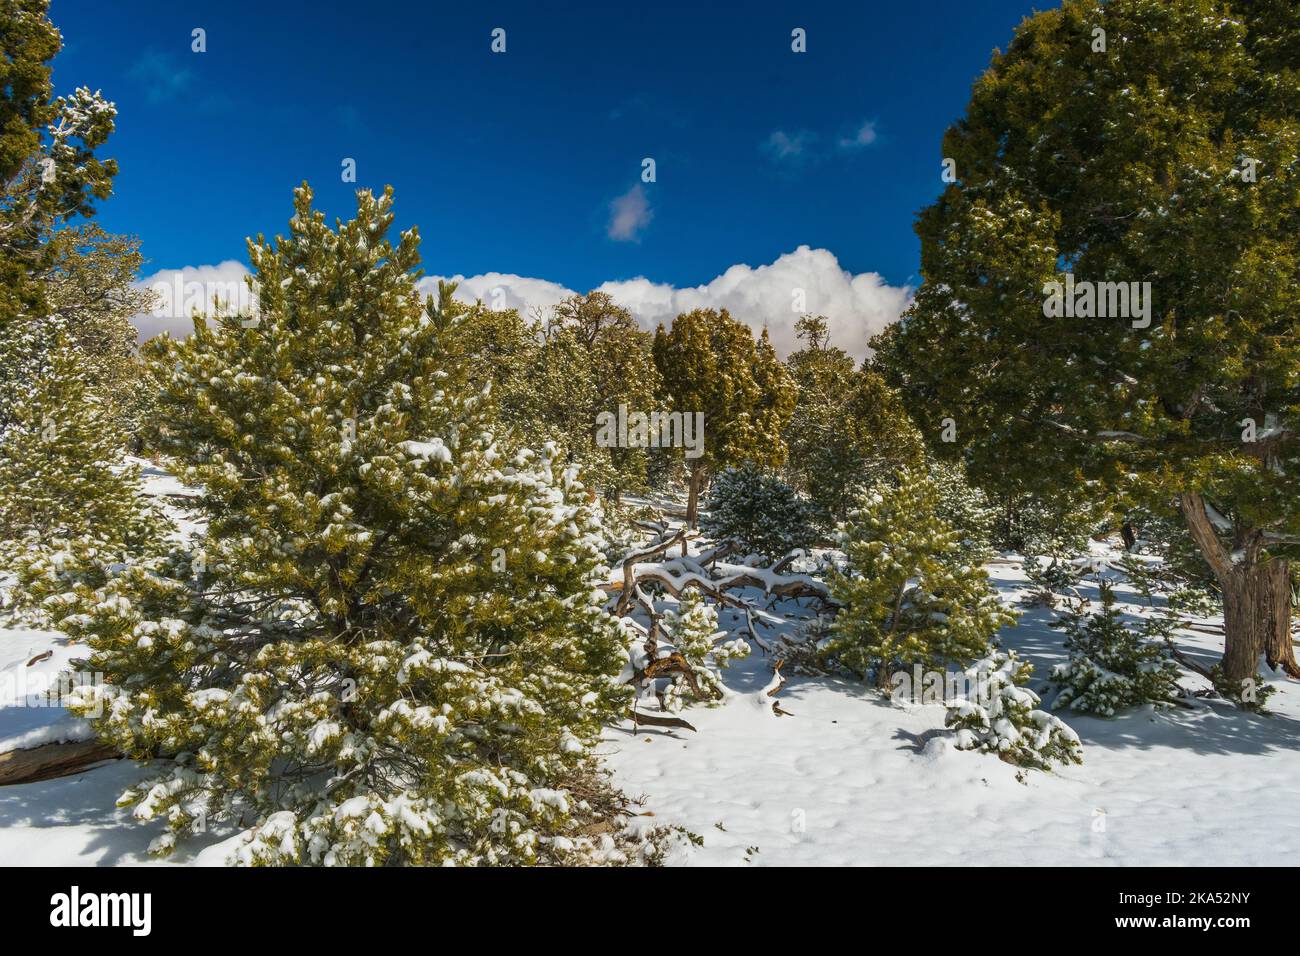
point(501, 290)
point(178, 292)
point(629, 214)
point(807, 148)
point(787, 147)
point(774, 295)
point(864, 136)
point(856, 306)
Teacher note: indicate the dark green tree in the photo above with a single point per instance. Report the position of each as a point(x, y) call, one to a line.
point(1135, 141)
point(710, 364)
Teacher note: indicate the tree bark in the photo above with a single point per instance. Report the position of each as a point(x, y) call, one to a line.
point(1256, 596)
point(1279, 649)
point(693, 497)
point(52, 760)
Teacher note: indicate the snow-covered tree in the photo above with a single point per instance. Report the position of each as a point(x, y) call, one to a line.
point(1111, 667)
point(388, 646)
point(691, 629)
point(1000, 716)
point(759, 512)
point(61, 474)
point(909, 595)
point(49, 174)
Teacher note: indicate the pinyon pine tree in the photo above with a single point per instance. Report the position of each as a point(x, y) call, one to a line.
point(388, 647)
point(61, 476)
point(909, 595)
point(1000, 716)
point(760, 512)
point(691, 630)
point(1111, 666)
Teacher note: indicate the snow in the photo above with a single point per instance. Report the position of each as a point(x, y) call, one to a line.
point(851, 779)
point(847, 778)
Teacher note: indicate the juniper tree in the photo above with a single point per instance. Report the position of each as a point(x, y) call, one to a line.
point(551, 379)
point(388, 646)
point(1135, 141)
point(909, 595)
point(615, 356)
point(848, 427)
point(710, 364)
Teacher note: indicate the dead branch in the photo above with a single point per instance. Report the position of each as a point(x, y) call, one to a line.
point(650, 720)
point(52, 760)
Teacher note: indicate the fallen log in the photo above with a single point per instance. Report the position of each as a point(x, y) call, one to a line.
point(650, 720)
point(48, 761)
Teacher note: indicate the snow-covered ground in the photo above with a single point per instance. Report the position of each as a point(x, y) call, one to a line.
point(847, 779)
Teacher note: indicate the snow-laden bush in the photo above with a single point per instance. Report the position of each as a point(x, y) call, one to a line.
point(1000, 716)
point(1048, 580)
point(691, 629)
point(388, 646)
point(61, 477)
point(909, 593)
point(763, 514)
point(1111, 666)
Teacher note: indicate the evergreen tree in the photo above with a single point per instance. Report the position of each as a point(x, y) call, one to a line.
point(964, 507)
point(759, 512)
point(1000, 716)
point(848, 428)
point(552, 379)
point(49, 174)
point(710, 364)
point(91, 297)
point(388, 646)
point(1112, 667)
point(1176, 169)
point(61, 478)
point(908, 595)
point(614, 355)
point(692, 630)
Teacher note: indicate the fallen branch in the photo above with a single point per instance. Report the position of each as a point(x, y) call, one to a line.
point(650, 720)
point(48, 761)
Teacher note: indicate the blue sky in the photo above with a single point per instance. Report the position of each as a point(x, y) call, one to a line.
point(511, 162)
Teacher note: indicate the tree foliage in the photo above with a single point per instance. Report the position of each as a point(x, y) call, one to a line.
point(387, 646)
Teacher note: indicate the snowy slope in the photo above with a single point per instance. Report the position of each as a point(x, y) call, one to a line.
point(848, 779)
point(845, 780)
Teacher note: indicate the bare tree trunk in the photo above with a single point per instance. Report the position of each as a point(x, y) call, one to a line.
point(693, 497)
point(1251, 598)
point(1279, 649)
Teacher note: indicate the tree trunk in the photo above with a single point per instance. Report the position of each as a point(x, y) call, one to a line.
point(1253, 603)
point(1129, 535)
point(1279, 649)
point(693, 497)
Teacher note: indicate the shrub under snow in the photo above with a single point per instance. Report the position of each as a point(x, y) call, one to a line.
point(1002, 717)
point(1112, 667)
point(759, 511)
